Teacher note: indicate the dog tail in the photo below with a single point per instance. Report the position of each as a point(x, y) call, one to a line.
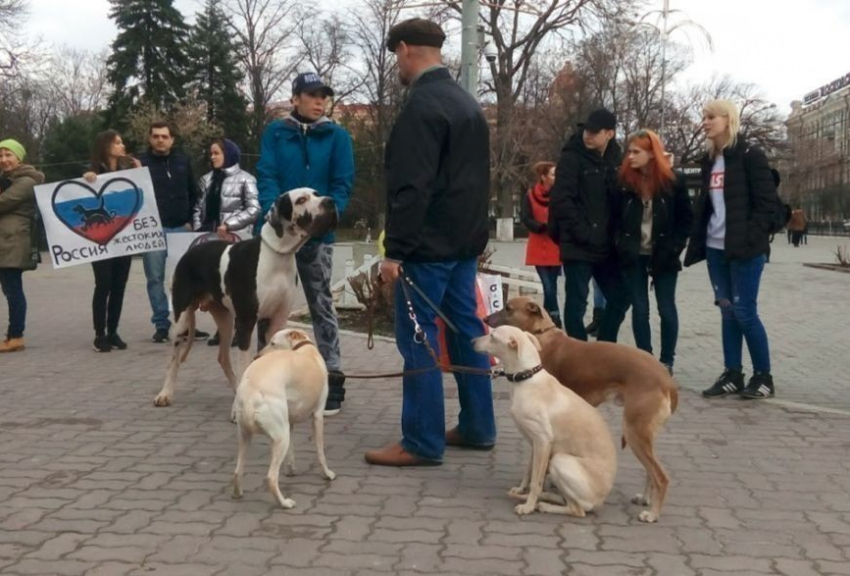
point(190, 335)
point(674, 399)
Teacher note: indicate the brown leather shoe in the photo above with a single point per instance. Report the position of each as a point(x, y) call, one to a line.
point(12, 345)
point(395, 455)
point(453, 438)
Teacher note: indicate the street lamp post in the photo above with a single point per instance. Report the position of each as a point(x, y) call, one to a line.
point(469, 47)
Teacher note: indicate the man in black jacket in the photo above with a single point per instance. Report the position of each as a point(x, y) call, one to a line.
point(438, 176)
point(580, 221)
point(174, 188)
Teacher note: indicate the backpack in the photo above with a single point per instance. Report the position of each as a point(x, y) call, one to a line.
point(781, 211)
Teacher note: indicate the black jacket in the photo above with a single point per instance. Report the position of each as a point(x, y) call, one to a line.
point(580, 205)
point(438, 174)
point(749, 194)
point(174, 186)
point(671, 226)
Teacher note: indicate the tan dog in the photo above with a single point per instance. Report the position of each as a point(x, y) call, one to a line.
point(599, 371)
point(568, 437)
point(285, 384)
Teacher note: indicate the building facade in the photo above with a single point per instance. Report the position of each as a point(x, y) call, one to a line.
point(816, 174)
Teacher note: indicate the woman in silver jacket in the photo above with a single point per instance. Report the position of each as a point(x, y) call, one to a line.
point(228, 195)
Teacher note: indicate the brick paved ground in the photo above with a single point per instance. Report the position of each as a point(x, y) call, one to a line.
point(95, 480)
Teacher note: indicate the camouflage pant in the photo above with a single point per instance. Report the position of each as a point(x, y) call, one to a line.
point(315, 265)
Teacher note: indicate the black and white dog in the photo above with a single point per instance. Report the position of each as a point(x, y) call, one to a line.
point(253, 281)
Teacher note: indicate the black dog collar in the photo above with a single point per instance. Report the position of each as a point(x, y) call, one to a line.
point(302, 344)
point(524, 375)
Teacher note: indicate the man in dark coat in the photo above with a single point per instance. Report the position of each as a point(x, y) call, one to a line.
point(437, 179)
point(580, 221)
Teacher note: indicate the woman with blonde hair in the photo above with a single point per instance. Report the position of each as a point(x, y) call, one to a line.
point(732, 215)
point(541, 251)
point(653, 221)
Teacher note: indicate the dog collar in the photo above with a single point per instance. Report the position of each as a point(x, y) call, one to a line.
point(524, 375)
point(302, 344)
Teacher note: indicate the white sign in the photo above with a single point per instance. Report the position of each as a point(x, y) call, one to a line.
point(490, 289)
point(116, 215)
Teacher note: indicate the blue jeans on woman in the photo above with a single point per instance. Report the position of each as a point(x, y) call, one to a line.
point(637, 281)
point(451, 287)
point(549, 278)
point(11, 280)
point(736, 290)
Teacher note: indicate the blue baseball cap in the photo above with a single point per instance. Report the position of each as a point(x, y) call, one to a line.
point(310, 82)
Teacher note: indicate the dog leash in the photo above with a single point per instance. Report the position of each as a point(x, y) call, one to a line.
point(419, 337)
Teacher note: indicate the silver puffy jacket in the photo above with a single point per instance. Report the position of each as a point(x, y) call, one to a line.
point(240, 207)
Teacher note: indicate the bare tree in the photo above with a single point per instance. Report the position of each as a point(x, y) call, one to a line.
point(15, 51)
point(267, 32)
point(761, 122)
point(382, 93)
point(77, 80)
point(518, 30)
point(327, 46)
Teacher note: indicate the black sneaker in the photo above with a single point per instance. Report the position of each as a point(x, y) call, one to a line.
point(201, 335)
point(759, 387)
point(730, 382)
point(101, 344)
point(332, 407)
point(160, 336)
point(116, 342)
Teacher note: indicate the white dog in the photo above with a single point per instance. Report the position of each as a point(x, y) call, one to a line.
point(568, 437)
point(285, 384)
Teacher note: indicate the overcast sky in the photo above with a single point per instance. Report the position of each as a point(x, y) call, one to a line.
point(786, 48)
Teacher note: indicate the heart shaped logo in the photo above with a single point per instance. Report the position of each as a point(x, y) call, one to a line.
point(97, 215)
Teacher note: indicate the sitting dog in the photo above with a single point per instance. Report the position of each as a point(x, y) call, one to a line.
point(287, 383)
point(253, 280)
point(598, 371)
point(568, 437)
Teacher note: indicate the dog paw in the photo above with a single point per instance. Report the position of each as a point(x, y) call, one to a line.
point(236, 495)
point(648, 517)
point(287, 503)
point(524, 509)
point(640, 500)
point(329, 474)
point(518, 491)
point(289, 471)
point(162, 400)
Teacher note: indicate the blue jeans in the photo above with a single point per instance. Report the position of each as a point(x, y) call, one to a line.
point(736, 290)
point(549, 278)
point(12, 281)
point(637, 281)
point(451, 287)
point(578, 288)
point(154, 263)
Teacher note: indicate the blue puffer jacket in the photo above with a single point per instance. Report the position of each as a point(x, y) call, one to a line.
point(294, 155)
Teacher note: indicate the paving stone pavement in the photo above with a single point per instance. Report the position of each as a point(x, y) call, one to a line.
point(95, 480)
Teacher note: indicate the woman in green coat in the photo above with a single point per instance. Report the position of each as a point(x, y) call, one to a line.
point(17, 215)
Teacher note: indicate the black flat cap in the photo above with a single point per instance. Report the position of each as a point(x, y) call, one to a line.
point(416, 32)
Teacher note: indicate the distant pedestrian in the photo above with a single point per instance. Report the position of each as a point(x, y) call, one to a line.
point(541, 251)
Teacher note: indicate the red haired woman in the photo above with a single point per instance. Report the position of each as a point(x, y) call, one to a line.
point(541, 251)
point(653, 223)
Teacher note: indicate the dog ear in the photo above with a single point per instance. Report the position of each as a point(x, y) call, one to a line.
point(533, 339)
point(533, 308)
point(284, 207)
point(296, 336)
point(512, 343)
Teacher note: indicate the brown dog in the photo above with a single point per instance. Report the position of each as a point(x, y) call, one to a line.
point(599, 371)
